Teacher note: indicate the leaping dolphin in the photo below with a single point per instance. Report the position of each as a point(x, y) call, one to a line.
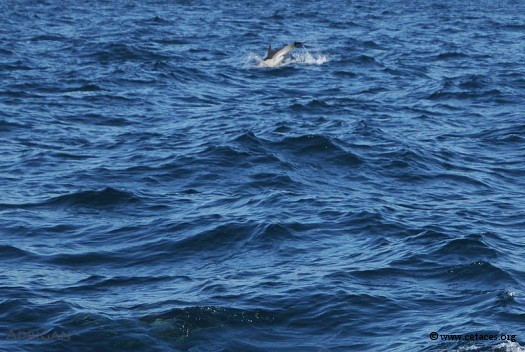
point(275, 57)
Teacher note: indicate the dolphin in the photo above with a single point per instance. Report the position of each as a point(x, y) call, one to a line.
point(276, 57)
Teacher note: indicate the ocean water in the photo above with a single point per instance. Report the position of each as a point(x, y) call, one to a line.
point(160, 192)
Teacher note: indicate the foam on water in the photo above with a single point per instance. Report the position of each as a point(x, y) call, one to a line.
point(507, 346)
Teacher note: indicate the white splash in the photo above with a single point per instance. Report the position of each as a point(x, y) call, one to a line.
point(307, 58)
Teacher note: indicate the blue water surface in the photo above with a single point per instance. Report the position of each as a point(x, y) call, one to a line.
point(161, 192)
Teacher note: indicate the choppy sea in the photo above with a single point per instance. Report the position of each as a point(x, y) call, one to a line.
point(161, 192)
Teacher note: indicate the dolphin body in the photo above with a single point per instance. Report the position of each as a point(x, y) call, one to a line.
point(276, 57)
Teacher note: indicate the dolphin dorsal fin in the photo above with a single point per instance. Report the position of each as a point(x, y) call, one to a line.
point(270, 53)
